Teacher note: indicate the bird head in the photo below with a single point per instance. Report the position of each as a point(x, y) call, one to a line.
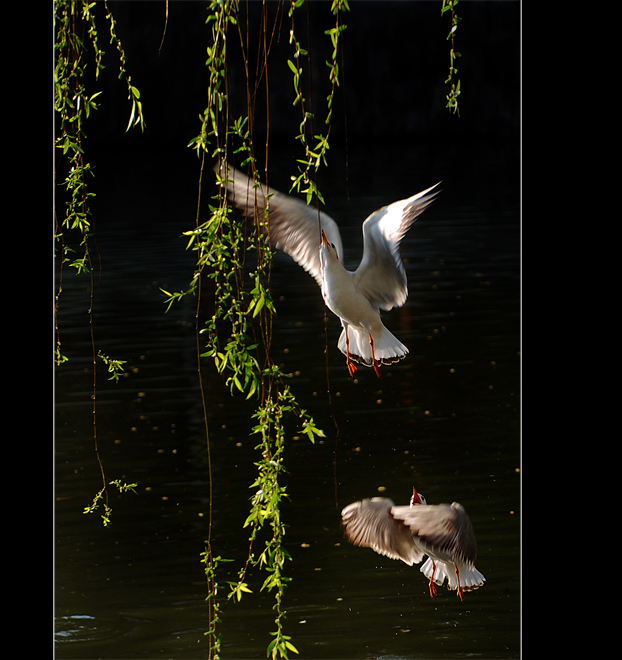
point(417, 498)
point(328, 252)
point(327, 244)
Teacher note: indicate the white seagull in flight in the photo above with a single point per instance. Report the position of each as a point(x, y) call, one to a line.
point(312, 239)
point(441, 531)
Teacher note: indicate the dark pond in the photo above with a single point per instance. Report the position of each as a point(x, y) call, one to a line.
point(446, 419)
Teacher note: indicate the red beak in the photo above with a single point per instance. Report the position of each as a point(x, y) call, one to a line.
point(416, 499)
point(324, 239)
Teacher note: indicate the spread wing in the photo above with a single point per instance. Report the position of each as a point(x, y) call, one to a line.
point(381, 276)
point(441, 528)
point(294, 227)
point(369, 523)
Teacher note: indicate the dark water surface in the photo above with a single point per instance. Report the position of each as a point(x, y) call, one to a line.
point(446, 419)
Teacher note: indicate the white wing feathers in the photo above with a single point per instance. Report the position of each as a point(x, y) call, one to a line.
point(442, 528)
point(381, 276)
point(294, 227)
point(369, 524)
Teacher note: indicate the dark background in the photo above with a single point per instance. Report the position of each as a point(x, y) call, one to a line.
point(394, 59)
point(446, 419)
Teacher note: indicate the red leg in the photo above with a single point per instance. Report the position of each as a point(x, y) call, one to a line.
point(351, 366)
point(432, 587)
point(373, 356)
point(460, 592)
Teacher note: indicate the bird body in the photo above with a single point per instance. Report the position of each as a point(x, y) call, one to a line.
point(313, 239)
point(364, 337)
point(443, 532)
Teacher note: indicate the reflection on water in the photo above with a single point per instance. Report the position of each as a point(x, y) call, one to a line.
point(446, 420)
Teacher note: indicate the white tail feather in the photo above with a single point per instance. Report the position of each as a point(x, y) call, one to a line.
point(387, 348)
point(470, 577)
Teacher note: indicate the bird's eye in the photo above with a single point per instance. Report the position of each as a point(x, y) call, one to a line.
point(332, 245)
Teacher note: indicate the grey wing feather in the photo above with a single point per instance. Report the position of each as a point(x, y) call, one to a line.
point(381, 276)
point(441, 527)
point(369, 524)
point(294, 227)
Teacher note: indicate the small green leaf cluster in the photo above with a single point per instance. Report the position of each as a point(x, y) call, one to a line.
point(123, 488)
point(114, 366)
point(279, 646)
point(103, 494)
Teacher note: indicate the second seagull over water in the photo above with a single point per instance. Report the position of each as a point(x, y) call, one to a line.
point(313, 240)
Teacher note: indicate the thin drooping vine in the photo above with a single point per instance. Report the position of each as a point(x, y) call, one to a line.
point(454, 92)
point(314, 155)
point(75, 28)
point(136, 115)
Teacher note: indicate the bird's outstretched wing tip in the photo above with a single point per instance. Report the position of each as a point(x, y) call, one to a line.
point(432, 191)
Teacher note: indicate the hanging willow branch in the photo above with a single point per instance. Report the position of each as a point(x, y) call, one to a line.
point(314, 155)
point(238, 335)
point(75, 27)
point(454, 92)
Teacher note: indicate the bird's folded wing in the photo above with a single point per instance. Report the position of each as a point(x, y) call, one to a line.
point(369, 524)
point(442, 528)
point(294, 227)
point(381, 275)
